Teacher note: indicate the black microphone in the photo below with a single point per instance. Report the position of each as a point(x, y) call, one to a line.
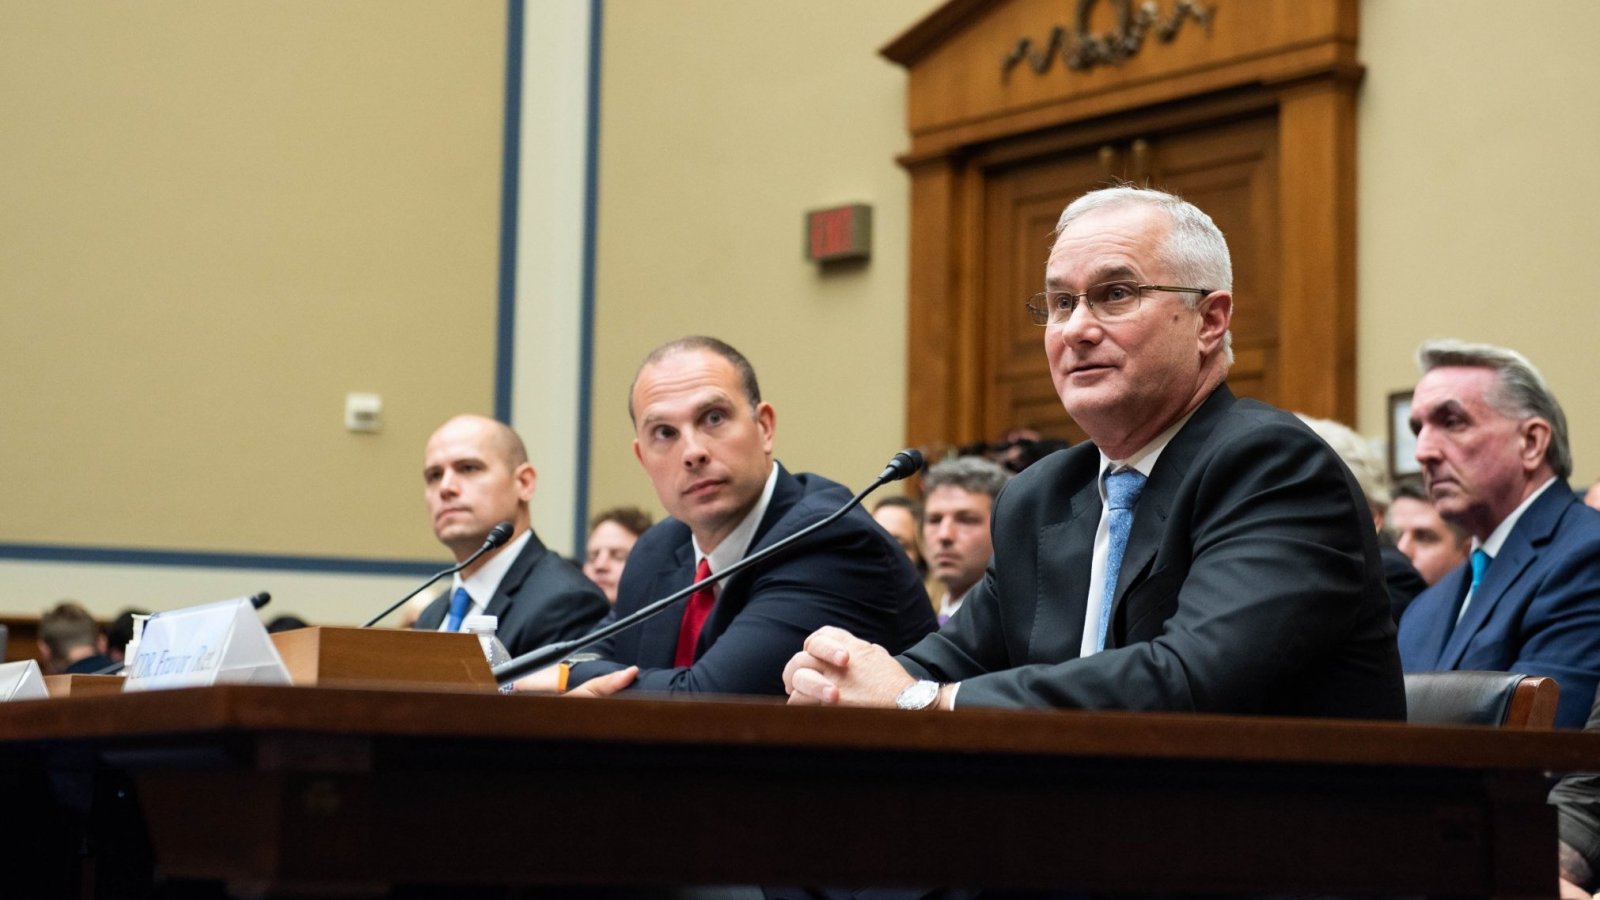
point(261, 599)
point(905, 464)
point(497, 536)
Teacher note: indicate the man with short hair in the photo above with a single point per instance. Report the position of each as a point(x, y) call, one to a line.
point(1202, 554)
point(1492, 441)
point(70, 642)
point(476, 474)
point(705, 436)
point(1433, 545)
point(958, 497)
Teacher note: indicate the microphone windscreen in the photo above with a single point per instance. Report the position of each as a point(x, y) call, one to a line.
point(260, 600)
point(904, 464)
point(498, 535)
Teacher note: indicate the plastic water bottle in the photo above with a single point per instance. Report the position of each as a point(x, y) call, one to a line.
point(494, 651)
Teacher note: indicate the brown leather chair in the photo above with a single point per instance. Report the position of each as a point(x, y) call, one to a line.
point(1503, 699)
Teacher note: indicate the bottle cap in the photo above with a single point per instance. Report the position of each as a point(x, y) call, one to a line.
point(481, 624)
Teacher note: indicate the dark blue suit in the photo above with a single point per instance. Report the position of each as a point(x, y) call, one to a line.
point(850, 574)
point(542, 599)
point(1536, 613)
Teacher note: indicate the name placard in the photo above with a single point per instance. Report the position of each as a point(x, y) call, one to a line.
point(217, 643)
point(22, 681)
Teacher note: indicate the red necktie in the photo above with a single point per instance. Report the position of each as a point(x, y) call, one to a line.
point(694, 616)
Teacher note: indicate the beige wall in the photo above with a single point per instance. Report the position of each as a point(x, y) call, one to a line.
point(217, 219)
point(1479, 194)
point(722, 123)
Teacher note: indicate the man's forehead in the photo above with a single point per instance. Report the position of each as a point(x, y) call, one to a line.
point(1462, 385)
point(462, 440)
point(952, 495)
point(690, 379)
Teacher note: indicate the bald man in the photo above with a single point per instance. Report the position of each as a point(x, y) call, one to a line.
point(476, 474)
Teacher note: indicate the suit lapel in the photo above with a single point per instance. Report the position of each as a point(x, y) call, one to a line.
point(1155, 501)
point(1064, 554)
point(1533, 530)
point(658, 637)
point(500, 603)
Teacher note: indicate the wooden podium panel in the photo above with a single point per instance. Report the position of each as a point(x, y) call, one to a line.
point(324, 656)
point(345, 792)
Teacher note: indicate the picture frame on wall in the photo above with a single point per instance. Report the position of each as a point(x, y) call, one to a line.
point(1402, 443)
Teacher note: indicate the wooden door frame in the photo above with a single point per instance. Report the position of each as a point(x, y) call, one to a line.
point(1306, 72)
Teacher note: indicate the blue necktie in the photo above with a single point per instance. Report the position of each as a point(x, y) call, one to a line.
point(460, 602)
point(1122, 492)
point(1480, 564)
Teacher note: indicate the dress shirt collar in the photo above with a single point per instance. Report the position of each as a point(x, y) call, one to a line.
point(1497, 538)
point(483, 584)
point(1144, 459)
point(733, 547)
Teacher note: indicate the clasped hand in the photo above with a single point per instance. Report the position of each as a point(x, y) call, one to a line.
point(836, 667)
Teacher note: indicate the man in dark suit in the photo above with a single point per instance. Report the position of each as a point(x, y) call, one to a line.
point(1492, 441)
point(475, 475)
point(1203, 554)
point(704, 436)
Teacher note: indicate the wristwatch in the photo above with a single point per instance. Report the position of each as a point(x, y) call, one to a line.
point(918, 695)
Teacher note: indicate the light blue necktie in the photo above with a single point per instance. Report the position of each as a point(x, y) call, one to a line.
point(1122, 492)
point(1480, 564)
point(460, 602)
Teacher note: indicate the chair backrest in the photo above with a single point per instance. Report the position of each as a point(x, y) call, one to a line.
point(1503, 699)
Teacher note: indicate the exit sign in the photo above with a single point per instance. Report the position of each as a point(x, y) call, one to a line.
point(844, 232)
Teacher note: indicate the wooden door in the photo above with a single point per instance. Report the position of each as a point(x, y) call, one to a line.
point(1227, 169)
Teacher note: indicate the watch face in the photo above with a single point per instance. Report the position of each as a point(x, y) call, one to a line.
point(918, 695)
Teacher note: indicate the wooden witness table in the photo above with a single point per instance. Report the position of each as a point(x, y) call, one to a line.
point(308, 790)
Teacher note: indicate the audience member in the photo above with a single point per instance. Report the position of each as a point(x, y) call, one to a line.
point(286, 622)
point(70, 642)
point(1577, 801)
point(1492, 441)
point(120, 632)
point(475, 475)
point(1433, 545)
point(901, 516)
point(1399, 576)
point(612, 533)
point(958, 499)
point(1197, 556)
point(1591, 497)
point(704, 436)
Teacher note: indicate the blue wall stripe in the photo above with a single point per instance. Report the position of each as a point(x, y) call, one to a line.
point(204, 560)
point(591, 196)
point(510, 171)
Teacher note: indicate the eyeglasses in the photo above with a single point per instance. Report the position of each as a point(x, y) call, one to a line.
point(1112, 300)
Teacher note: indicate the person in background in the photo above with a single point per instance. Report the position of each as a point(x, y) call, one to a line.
point(1492, 442)
point(476, 474)
point(1433, 545)
point(70, 642)
point(902, 518)
point(612, 534)
point(955, 524)
point(120, 632)
point(1399, 576)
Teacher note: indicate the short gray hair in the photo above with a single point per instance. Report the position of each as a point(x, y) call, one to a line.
point(1359, 457)
point(1519, 392)
point(972, 474)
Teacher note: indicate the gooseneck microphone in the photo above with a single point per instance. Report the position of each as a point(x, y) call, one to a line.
point(904, 464)
point(497, 536)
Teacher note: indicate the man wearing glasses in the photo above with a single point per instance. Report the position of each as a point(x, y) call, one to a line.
point(1203, 553)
